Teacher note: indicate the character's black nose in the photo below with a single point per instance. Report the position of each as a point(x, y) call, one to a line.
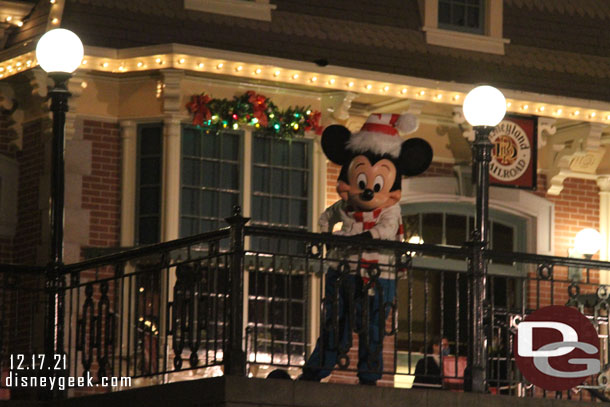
point(367, 195)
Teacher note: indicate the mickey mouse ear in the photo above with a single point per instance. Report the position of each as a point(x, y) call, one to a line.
point(334, 140)
point(415, 156)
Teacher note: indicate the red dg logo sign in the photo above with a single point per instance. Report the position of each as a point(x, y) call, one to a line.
point(556, 348)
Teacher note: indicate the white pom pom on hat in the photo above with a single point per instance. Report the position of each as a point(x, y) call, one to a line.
point(380, 134)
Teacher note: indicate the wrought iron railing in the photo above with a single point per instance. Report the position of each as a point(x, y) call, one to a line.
point(243, 298)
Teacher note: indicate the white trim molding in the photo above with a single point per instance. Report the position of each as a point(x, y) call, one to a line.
point(467, 41)
point(255, 10)
point(490, 42)
point(538, 212)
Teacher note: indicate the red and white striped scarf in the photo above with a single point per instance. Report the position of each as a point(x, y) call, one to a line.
point(364, 221)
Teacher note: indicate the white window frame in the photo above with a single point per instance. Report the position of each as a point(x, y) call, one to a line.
point(255, 10)
point(490, 42)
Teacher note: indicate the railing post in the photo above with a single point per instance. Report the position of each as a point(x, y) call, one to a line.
point(54, 332)
point(234, 352)
point(478, 264)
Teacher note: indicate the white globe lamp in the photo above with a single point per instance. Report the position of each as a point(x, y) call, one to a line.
point(588, 242)
point(484, 106)
point(59, 51)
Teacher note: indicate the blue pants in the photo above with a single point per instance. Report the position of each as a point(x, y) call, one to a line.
point(347, 307)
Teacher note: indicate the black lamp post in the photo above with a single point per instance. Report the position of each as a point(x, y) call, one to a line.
point(484, 108)
point(59, 52)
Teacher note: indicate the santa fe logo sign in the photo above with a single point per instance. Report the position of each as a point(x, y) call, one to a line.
point(556, 348)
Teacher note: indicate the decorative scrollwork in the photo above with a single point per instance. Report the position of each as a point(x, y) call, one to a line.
point(545, 271)
point(314, 250)
point(573, 290)
point(603, 292)
point(187, 314)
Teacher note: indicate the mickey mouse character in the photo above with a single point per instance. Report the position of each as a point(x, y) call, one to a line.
point(372, 162)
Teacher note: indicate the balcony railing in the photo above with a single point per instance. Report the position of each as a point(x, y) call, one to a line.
point(246, 299)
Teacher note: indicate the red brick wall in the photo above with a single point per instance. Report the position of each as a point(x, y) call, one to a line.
point(29, 214)
point(101, 189)
point(576, 208)
point(439, 170)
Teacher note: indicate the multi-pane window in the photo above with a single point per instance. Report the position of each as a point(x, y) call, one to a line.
point(210, 178)
point(280, 181)
point(461, 15)
point(455, 229)
point(452, 224)
point(150, 142)
point(280, 196)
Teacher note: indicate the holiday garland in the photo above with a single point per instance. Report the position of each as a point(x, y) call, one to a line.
point(253, 109)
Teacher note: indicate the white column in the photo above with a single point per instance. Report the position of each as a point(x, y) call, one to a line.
point(129, 139)
point(170, 201)
point(604, 225)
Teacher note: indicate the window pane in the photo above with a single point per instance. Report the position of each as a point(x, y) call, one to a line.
point(502, 237)
point(227, 201)
point(188, 226)
point(279, 188)
point(455, 229)
point(210, 144)
point(444, 13)
point(298, 212)
point(190, 201)
point(411, 226)
point(207, 226)
point(150, 171)
point(279, 210)
point(150, 140)
point(299, 155)
point(209, 173)
point(149, 200)
point(432, 228)
point(458, 13)
point(261, 146)
point(279, 154)
point(279, 182)
point(230, 146)
point(191, 143)
point(148, 230)
point(472, 17)
point(260, 208)
point(209, 203)
point(230, 176)
point(149, 183)
point(261, 179)
point(210, 178)
point(298, 183)
point(190, 172)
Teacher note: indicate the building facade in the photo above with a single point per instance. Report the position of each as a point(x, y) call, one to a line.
point(140, 169)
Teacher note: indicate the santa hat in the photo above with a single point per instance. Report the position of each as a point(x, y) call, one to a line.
point(380, 134)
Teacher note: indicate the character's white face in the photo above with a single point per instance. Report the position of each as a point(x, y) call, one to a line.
point(368, 186)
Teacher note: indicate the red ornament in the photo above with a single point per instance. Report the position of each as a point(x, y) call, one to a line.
point(198, 107)
point(313, 122)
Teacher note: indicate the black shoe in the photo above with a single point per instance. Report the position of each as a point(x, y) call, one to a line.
point(368, 382)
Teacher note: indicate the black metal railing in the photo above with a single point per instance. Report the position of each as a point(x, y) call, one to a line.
point(245, 299)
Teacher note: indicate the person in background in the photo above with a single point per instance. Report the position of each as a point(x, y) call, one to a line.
point(428, 371)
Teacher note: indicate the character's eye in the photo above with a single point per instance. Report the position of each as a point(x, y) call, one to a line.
point(378, 183)
point(361, 181)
